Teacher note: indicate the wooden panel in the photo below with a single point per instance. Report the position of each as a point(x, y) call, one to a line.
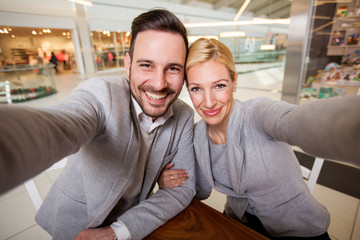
point(199, 221)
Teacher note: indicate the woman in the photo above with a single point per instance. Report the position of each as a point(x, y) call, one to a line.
point(243, 150)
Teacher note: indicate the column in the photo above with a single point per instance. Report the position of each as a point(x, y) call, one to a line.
point(298, 38)
point(86, 45)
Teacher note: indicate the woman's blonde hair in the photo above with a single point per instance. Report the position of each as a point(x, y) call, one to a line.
point(205, 49)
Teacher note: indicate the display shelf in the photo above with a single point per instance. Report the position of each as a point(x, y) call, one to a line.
point(20, 56)
point(350, 89)
point(345, 30)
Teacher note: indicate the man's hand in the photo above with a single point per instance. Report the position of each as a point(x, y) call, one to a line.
point(105, 233)
point(170, 178)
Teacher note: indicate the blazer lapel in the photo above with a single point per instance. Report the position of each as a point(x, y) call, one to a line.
point(234, 152)
point(123, 176)
point(203, 152)
point(159, 149)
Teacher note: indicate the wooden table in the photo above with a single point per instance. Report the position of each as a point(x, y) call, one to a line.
point(199, 221)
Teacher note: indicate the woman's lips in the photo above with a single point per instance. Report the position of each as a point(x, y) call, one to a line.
point(211, 112)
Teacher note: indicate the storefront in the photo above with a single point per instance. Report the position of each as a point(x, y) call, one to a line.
point(323, 50)
point(110, 49)
point(95, 39)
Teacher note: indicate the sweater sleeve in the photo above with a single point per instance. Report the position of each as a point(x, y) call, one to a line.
point(203, 188)
point(328, 128)
point(32, 139)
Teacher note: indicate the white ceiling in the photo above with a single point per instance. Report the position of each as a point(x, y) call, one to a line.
point(267, 8)
point(116, 15)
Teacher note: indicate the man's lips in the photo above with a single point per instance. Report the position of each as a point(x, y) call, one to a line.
point(211, 112)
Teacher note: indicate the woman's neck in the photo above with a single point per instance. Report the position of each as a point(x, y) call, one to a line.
point(217, 134)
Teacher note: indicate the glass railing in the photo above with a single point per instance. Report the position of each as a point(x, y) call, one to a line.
point(260, 56)
point(26, 82)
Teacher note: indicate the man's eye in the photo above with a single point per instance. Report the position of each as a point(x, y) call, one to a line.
point(145, 65)
point(174, 69)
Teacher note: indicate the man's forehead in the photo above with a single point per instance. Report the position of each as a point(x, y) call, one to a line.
point(148, 36)
point(159, 44)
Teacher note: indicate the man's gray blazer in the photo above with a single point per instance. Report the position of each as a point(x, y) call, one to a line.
point(95, 123)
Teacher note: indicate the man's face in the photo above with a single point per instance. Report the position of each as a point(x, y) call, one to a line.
point(156, 71)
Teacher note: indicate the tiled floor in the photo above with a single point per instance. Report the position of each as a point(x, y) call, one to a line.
point(17, 212)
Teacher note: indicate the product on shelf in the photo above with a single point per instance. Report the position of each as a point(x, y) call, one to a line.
point(341, 11)
point(338, 38)
point(325, 92)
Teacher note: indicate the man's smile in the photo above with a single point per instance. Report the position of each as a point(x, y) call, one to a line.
point(156, 96)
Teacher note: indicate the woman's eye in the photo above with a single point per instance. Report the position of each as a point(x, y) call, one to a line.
point(194, 89)
point(220, 86)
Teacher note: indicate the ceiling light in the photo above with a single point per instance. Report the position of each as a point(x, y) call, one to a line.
point(267, 47)
point(34, 32)
point(254, 21)
point(82, 2)
point(333, 1)
point(242, 9)
point(321, 17)
point(232, 34)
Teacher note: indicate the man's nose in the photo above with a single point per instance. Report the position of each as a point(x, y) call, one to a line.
point(160, 81)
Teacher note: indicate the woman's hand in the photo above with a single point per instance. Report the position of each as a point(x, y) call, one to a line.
point(170, 178)
point(105, 233)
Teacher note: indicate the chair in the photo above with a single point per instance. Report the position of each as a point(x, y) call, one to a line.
point(33, 190)
point(313, 174)
point(5, 93)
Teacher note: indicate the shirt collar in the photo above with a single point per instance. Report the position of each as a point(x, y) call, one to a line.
point(145, 121)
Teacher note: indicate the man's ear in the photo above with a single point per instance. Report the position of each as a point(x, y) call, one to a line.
point(127, 61)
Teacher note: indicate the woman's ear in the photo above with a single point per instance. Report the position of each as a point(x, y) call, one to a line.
point(127, 61)
point(235, 81)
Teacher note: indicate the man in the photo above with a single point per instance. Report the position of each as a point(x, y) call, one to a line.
point(121, 142)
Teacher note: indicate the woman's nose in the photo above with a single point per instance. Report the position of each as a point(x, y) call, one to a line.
point(210, 99)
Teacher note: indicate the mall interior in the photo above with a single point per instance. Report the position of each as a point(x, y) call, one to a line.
point(292, 50)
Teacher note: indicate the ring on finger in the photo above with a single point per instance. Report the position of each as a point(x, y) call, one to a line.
point(171, 177)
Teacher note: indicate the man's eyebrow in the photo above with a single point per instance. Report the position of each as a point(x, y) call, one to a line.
point(144, 60)
point(176, 64)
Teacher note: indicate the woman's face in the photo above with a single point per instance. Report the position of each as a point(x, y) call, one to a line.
point(211, 91)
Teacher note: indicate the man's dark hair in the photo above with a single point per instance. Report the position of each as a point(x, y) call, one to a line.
point(157, 19)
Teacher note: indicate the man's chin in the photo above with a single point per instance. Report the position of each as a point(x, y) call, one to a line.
point(155, 112)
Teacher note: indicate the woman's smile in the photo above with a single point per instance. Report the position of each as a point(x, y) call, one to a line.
point(212, 112)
